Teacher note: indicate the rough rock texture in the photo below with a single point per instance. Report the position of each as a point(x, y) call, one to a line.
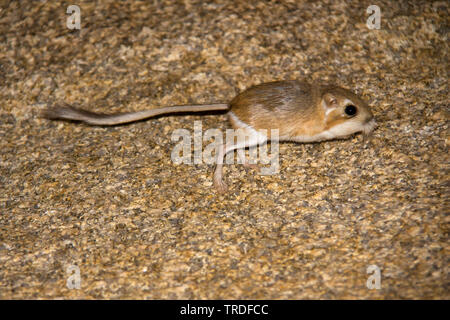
point(112, 202)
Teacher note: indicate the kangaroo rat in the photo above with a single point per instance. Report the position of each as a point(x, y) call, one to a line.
point(301, 112)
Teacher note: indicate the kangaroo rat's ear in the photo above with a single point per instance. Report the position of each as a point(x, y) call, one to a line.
point(329, 100)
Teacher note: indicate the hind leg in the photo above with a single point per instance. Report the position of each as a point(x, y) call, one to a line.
point(253, 139)
point(218, 172)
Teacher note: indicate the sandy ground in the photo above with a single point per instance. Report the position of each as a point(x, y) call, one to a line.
point(109, 202)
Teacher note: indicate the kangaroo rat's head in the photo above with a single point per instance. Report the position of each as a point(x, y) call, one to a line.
point(345, 113)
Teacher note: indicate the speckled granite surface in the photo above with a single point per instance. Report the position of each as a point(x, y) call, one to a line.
point(112, 202)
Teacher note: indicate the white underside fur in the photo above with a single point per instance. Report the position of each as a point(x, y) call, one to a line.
point(254, 137)
point(342, 130)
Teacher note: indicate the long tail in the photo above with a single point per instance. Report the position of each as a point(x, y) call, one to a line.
point(71, 113)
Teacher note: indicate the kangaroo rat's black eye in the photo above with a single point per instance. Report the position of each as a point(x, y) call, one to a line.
point(350, 110)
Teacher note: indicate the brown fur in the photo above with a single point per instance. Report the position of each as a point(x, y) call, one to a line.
point(294, 107)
